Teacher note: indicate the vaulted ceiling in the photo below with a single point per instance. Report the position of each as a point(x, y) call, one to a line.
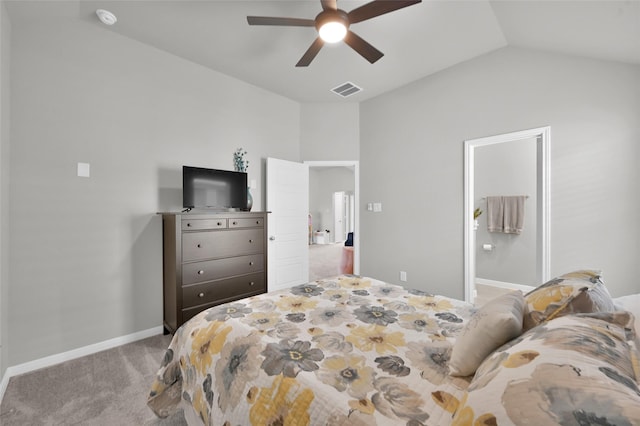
point(416, 41)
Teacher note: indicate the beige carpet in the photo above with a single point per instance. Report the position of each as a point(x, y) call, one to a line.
point(324, 260)
point(106, 388)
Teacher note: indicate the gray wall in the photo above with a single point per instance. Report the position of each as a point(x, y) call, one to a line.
point(411, 154)
point(507, 169)
point(5, 39)
point(86, 252)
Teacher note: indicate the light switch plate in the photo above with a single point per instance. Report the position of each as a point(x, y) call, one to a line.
point(84, 170)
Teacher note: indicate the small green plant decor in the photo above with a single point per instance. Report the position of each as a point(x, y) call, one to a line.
point(476, 214)
point(241, 164)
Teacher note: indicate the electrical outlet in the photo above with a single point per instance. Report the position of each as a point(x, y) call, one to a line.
point(403, 276)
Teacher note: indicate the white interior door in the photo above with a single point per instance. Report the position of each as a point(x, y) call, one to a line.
point(288, 203)
point(339, 217)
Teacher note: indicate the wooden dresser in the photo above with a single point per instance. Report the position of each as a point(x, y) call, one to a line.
point(210, 259)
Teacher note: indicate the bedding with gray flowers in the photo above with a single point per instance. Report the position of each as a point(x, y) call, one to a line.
point(348, 350)
point(358, 351)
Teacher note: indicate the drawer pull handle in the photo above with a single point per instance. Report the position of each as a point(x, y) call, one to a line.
point(201, 295)
point(199, 246)
point(219, 223)
point(250, 241)
point(188, 224)
point(250, 263)
point(257, 222)
point(235, 223)
point(200, 272)
point(251, 283)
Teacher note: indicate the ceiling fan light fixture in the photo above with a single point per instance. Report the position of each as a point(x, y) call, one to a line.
point(332, 25)
point(332, 32)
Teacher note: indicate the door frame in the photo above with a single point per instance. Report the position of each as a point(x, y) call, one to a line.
point(356, 196)
point(543, 137)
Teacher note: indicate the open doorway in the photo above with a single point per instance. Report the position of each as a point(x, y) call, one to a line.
point(333, 218)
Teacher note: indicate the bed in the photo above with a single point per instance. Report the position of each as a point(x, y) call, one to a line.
point(358, 351)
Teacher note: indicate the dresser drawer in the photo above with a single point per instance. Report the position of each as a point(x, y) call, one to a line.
point(215, 269)
point(246, 222)
point(213, 244)
point(197, 224)
point(221, 290)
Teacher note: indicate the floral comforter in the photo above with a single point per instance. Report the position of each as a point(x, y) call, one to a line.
point(343, 351)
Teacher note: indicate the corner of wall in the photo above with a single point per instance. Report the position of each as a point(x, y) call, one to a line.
point(330, 131)
point(5, 40)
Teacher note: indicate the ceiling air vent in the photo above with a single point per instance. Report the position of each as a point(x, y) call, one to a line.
point(346, 89)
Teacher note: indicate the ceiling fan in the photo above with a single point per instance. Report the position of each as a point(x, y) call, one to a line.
point(333, 26)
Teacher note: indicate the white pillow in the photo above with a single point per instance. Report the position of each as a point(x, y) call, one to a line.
point(630, 303)
point(493, 325)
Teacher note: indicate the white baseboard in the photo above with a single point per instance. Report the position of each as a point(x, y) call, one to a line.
point(501, 284)
point(48, 361)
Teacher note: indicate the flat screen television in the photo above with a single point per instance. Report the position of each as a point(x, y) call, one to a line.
point(213, 189)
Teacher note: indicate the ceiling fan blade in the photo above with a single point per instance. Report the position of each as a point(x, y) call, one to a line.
point(287, 22)
point(311, 53)
point(377, 8)
point(329, 4)
point(358, 44)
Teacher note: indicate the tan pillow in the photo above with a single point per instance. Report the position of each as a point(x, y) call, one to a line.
point(576, 292)
point(493, 325)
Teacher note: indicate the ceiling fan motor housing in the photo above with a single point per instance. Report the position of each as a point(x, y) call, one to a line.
point(329, 15)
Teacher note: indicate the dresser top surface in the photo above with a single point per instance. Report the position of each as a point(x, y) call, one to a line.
point(207, 215)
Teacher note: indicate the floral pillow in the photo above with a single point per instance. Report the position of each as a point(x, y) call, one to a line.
point(574, 370)
point(576, 292)
point(494, 324)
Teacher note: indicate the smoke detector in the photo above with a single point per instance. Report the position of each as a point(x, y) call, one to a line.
point(106, 17)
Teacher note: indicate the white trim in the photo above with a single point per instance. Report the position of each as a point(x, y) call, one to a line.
point(48, 361)
point(469, 234)
point(502, 284)
point(543, 134)
point(356, 196)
